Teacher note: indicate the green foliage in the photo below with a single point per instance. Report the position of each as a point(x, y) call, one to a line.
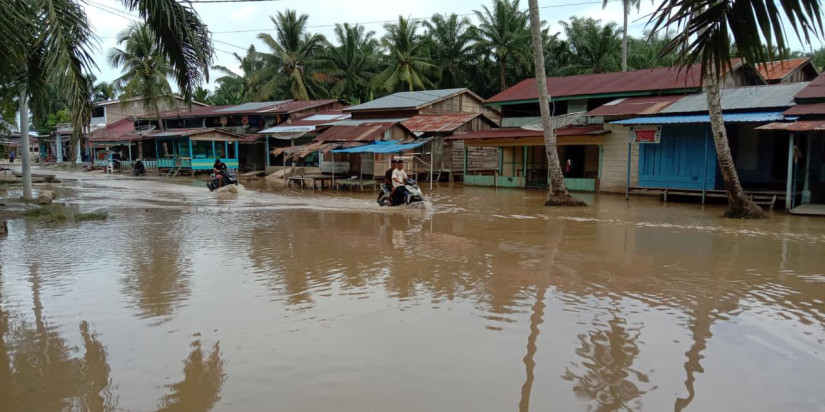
point(594, 47)
point(352, 63)
point(408, 65)
point(451, 42)
point(504, 33)
point(52, 119)
point(59, 214)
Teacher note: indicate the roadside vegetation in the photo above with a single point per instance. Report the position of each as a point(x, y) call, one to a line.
point(54, 214)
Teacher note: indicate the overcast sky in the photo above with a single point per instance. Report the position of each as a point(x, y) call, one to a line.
point(235, 26)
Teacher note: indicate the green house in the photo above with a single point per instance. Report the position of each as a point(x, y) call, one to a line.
point(195, 149)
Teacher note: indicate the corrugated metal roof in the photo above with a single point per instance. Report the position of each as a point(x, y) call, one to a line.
point(775, 71)
point(755, 117)
point(438, 123)
point(121, 130)
point(363, 133)
point(406, 100)
point(194, 132)
point(308, 123)
point(815, 90)
point(518, 133)
point(635, 105)
point(252, 107)
point(649, 81)
point(741, 98)
point(359, 122)
point(292, 106)
point(385, 147)
point(797, 126)
point(198, 111)
point(805, 109)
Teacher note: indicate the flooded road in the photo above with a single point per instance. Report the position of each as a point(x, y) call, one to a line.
point(185, 300)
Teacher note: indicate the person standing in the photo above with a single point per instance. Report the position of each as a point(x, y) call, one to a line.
point(11, 156)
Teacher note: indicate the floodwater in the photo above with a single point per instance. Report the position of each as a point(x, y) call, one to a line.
point(184, 300)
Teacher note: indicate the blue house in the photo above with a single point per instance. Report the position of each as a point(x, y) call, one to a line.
point(675, 148)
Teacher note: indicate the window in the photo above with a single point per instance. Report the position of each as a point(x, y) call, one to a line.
point(202, 149)
point(230, 154)
point(220, 149)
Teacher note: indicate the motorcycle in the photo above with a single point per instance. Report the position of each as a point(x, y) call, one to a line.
point(228, 178)
point(412, 194)
point(138, 169)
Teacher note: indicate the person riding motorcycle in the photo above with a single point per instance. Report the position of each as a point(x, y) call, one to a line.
point(219, 168)
point(399, 177)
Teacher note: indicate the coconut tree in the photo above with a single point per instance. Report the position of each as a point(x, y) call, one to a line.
point(626, 5)
point(408, 65)
point(145, 71)
point(451, 41)
point(504, 31)
point(240, 86)
point(289, 69)
point(50, 42)
point(593, 45)
point(703, 31)
point(557, 194)
point(351, 64)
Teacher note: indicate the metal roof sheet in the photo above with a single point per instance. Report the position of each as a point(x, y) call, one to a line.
point(406, 100)
point(775, 71)
point(805, 109)
point(815, 90)
point(635, 105)
point(252, 107)
point(741, 98)
point(362, 133)
point(121, 130)
point(755, 117)
point(797, 126)
point(518, 132)
point(438, 123)
point(648, 81)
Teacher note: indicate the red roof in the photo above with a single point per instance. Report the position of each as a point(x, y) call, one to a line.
point(365, 132)
point(121, 130)
point(186, 112)
point(651, 81)
point(815, 89)
point(298, 105)
point(519, 133)
point(635, 105)
point(438, 123)
point(776, 71)
point(803, 109)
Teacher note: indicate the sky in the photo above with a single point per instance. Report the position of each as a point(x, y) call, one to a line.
point(235, 26)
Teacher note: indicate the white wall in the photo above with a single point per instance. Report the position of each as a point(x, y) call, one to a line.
point(614, 160)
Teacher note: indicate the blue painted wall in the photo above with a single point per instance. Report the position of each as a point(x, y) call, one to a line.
point(679, 160)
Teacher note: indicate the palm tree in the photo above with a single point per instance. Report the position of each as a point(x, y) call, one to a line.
point(409, 65)
point(593, 46)
point(557, 194)
point(504, 30)
point(289, 70)
point(145, 71)
point(351, 64)
point(240, 86)
point(704, 29)
point(103, 91)
point(626, 5)
point(451, 43)
point(50, 41)
point(646, 52)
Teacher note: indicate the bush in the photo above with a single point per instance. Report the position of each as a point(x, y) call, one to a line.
point(60, 214)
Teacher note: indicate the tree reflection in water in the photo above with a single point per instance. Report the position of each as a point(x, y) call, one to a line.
point(202, 381)
point(608, 356)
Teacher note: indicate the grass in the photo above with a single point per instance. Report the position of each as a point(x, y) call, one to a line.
point(60, 214)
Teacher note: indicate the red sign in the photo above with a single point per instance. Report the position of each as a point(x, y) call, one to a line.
point(646, 135)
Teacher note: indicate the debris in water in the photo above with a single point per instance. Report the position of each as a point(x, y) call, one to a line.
point(234, 189)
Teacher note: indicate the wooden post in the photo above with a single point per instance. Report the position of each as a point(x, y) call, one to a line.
point(788, 187)
point(705, 168)
point(627, 183)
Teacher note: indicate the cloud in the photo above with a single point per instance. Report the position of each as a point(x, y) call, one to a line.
point(243, 14)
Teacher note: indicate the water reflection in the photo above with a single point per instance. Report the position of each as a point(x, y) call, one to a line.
point(203, 378)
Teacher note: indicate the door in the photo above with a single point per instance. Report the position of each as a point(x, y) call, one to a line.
point(684, 159)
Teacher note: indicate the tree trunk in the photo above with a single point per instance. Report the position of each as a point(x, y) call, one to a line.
point(25, 146)
point(739, 205)
point(625, 11)
point(557, 195)
point(502, 73)
point(160, 119)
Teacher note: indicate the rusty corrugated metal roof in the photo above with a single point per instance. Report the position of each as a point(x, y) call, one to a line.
point(635, 105)
point(650, 81)
point(519, 133)
point(776, 71)
point(797, 126)
point(815, 89)
point(438, 123)
point(121, 130)
point(805, 109)
point(363, 133)
point(297, 105)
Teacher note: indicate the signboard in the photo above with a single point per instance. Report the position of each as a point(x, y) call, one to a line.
point(646, 134)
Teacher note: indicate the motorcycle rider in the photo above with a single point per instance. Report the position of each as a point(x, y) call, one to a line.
point(399, 176)
point(219, 168)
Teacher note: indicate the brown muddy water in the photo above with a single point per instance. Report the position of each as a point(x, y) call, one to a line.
point(485, 301)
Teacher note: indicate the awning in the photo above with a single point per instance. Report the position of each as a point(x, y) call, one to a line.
point(755, 117)
point(385, 146)
point(302, 151)
point(288, 129)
